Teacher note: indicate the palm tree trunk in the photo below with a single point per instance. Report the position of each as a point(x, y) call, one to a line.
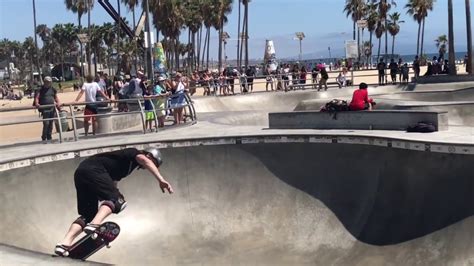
point(177, 52)
point(246, 34)
point(204, 48)
point(469, 66)
point(135, 61)
point(393, 45)
point(36, 44)
point(422, 37)
point(238, 38)
point(89, 32)
point(208, 41)
point(95, 60)
point(220, 44)
point(62, 63)
point(418, 39)
point(386, 37)
point(378, 53)
point(370, 41)
point(81, 47)
point(241, 37)
point(452, 62)
point(358, 44)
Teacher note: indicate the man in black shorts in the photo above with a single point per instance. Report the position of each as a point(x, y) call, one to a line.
point(96, 180)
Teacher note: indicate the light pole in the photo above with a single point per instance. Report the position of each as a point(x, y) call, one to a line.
point(300, 36)
point(36, 44)
point(150, 46)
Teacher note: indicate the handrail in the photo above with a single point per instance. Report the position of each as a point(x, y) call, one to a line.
point(72, 113)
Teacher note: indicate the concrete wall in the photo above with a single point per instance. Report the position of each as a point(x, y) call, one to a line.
point(377, 120)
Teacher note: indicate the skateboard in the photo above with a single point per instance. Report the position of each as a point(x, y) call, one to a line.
point(91, 243)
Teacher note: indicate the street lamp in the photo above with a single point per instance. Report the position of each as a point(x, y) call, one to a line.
point(225, 36)
point(300, 36)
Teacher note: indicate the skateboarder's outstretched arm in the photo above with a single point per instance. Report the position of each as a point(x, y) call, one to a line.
point(148, 164)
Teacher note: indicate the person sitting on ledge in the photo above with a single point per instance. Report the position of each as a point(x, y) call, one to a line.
point(360, 99)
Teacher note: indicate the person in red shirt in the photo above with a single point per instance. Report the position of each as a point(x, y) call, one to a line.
point(360, 99)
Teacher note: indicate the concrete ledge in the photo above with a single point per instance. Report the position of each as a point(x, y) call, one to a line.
point(376, 120)
point(444, 79)
point(113, 123)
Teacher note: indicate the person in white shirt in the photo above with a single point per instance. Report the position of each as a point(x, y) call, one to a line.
point(342, 78)
point(91, 89)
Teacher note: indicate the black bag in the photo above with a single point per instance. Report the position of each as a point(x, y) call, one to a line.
point(422, 127)
point(335, 105)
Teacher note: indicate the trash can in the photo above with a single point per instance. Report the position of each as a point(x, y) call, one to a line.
point(102, 106)
point(64, 123)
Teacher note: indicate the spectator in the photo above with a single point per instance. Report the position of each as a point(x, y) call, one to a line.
point(177, 98)
point(446, 67)
point(286, 77)
point(314, 76)
point(231, 80)
point(436, 67)
point(324, 79)
point(160, 102)
point(243, 83)
point(342, 78)
point(91, 89)
point(108, 85)
point(250, 73)
point(381, 66)
point(360, 99)
point(416, 67)
point(47, 95)
point(429, 70)
point(400, 66)
point(404, 72)
point(117, 86)
point(206, 78)
point(393, 71)
point(193, 82)
point(302, 76)
point(268, 78)
point(149, 113)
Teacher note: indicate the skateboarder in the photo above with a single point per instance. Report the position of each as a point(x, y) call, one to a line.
point(96, 180)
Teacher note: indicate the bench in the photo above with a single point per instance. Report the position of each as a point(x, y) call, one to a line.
point(363, 120)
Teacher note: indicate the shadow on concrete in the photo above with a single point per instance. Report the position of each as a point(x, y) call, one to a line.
point(383, 196)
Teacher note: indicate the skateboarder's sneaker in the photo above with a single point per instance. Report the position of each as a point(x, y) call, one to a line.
point(61, 250)
point(91, 228)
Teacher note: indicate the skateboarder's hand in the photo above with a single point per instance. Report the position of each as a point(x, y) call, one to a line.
point(165, 185)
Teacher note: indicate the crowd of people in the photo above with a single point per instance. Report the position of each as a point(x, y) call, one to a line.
point(7, 92)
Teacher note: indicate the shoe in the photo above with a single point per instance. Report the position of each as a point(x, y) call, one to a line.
point(61, 250)
point(44, 141)
point(91, 228)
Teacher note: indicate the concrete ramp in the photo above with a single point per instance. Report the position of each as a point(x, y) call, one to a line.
point(266, 204)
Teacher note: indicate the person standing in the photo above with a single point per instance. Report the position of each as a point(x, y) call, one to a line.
point(314, 76)
point(324, 79)
point(381, 66)
point(416, 67)
point(47, 95)
point(393, 71)
point(250, 76)
point(90, 89)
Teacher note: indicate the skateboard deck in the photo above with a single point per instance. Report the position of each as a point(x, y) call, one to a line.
point(91, 243)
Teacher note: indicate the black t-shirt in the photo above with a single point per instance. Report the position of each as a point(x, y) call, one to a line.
point(381, 66)
point(118, 164)
point(47, 95)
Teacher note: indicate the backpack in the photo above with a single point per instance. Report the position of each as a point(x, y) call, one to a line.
point(422, 127)
point(335, 105)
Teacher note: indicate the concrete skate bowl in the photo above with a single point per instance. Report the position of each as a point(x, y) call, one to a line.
point(266, 204)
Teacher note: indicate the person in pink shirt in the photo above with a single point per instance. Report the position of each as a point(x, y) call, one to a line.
point(360, 99)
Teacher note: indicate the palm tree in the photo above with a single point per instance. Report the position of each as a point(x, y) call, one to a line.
point(394, 27)
point(469, 66)
point(379, 31)
point(81, 7)
point(44, 32)
point(452, 54)
point(246, 31)
point(372, 18)
point(238, 36)
point(441, 43)
point(356, 9)
point(223, 7)
point(384, 7)
point(132, 4)
point(419, 10)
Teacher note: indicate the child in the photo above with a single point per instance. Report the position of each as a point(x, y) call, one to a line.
point(160, 102)
point(149, 112)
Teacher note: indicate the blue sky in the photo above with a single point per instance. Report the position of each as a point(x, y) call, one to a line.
point(322, 21)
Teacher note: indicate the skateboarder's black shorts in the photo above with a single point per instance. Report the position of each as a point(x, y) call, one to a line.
point(93, 185)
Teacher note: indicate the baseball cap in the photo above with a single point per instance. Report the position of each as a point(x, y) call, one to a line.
point(48, 79)
point(160, 78)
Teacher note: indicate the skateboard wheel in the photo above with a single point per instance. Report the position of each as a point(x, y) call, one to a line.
point(115, 231)
point(107, 245)
point(66, 254)
point(94, 236)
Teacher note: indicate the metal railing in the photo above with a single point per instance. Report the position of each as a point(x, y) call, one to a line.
point(189, 107)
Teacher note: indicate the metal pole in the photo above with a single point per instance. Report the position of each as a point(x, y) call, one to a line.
point(301, 53)
point(452, 59)
point(150, 45)
point(89, 33)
